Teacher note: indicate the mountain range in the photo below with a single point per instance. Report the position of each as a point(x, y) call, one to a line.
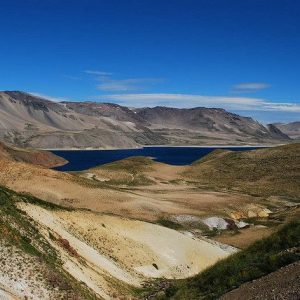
point(31, 121)
point(291, 129)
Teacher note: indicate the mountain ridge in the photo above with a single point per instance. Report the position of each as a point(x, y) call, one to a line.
point(32, 121)
point(291, 129)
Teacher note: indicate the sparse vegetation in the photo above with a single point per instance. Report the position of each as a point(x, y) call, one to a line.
point(128, 171)
point(264, 172)
point(261, 258)
point(51, 247)
point(18, 231)
point(130, 164)
point(169, 224)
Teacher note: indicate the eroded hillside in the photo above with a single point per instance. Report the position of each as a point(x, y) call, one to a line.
point(90, 239)
point(49, 252)
point(274, 260)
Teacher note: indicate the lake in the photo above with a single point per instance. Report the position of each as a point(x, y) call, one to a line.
point(84, 159)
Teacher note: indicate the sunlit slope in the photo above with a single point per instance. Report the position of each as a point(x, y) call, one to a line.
point(260, 259)
point(132, 171)
point(51, 252)
point(263, 172)
point(37, 157)
point(30, 265)
point(32, 121)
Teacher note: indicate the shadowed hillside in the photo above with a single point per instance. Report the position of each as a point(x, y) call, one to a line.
point(291, 129)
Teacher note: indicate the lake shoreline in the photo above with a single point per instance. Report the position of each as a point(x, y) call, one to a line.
point(85, 159)
point(162, 146)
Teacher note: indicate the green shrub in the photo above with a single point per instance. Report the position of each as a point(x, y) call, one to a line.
point(261, 258)
point(169, 224)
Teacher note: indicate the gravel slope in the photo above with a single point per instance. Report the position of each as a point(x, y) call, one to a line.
point(283, 284)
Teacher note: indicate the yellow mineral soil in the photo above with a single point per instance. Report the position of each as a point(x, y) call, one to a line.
point(114, 253)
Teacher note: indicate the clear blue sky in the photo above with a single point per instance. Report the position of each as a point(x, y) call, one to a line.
point(243, 56)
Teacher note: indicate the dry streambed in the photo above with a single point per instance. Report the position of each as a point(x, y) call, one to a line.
point(111, 254)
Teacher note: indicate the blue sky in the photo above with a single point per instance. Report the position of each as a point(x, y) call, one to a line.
point(243, 56)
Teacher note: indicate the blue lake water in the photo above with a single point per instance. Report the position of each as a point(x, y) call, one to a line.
point(84, 159)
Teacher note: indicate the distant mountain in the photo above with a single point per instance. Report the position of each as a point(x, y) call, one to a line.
point(276, 132)
point(32, 121)
point(27, 120)
point(290, 129)
point(207, 123)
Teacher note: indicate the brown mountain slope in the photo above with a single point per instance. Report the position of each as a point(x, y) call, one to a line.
point(207, 122)
point(291, 129)
point(110, 110)
point(36, 157)
point(72, 190)
point(264, 172)
point(33, 121)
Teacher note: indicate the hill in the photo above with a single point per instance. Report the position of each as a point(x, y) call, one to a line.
point(262, 172)
point(30, 265)
point(291, 129)
point(261, 258)
point(36, 157)
point(51, 252)
point(32, 121)
point(210, 123)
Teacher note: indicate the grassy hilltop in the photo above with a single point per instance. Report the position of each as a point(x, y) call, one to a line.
point(263, 172)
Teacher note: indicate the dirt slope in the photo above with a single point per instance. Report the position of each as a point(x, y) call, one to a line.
point(47, 252)
point(30, 266)
point(282, 284)
point(253, 266)
point(263, 172)
point(31, 121)
point(141, 202)
point(36, 157)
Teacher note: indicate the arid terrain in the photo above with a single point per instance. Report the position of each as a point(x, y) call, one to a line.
point(31, 156)
point(32, 121)
point(119, 226)
point(291, 129)
point(150, 150)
